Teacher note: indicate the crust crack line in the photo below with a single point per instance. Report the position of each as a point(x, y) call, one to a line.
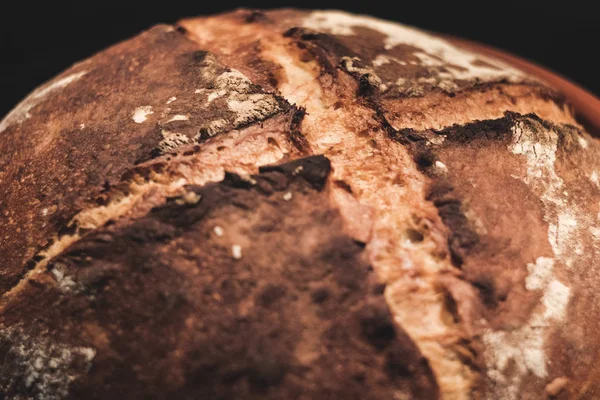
point(240, 151)
point(387, 216)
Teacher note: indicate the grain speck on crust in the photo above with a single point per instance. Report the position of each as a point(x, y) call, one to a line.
point(236, 251)
point(441, 166)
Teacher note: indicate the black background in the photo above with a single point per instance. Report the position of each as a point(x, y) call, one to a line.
point(37, 41)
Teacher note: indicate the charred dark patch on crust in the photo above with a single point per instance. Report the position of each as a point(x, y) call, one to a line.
point(554, 96)
point(253, 16)
point(408, 135)
point(314, 170)
point(462, 237)
point(264, 324)
point(344, 186)
point(486, 286)
point(323, 47)
point(181, 29)
point(296, 135)
point(494, 129)
point(379, 116)
point(423, 155)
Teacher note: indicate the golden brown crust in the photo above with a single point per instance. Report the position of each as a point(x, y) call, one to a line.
point(466, 185)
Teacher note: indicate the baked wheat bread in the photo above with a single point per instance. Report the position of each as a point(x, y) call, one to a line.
point(297, 205)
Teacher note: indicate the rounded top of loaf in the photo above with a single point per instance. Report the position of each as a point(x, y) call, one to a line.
point(264, 203)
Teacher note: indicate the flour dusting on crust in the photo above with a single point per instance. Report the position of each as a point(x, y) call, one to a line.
point(524, 348)
point(445, 64)
point(538, 144)
point(46, 368)
point(229, 95)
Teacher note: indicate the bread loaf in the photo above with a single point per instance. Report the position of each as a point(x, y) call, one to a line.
point(297, 205)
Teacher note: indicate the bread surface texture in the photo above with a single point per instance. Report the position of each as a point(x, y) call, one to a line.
point(297, 204)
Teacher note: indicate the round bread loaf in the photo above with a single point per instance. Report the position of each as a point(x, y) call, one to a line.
point(297, 205)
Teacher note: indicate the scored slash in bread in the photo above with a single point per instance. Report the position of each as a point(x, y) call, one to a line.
point(294, 204)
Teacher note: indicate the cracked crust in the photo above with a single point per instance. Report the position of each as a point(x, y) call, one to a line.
point(439, 242)
point(314, 317)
